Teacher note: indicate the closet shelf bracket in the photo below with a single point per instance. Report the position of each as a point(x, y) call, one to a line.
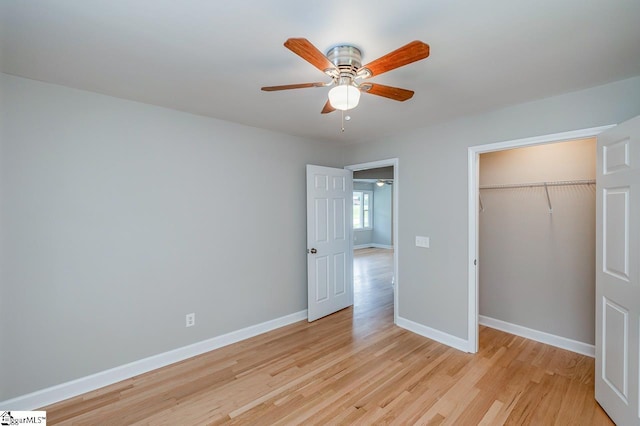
point(546, 190)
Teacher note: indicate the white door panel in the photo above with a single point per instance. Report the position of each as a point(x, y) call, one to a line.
point(618, 272)
point(329, 248)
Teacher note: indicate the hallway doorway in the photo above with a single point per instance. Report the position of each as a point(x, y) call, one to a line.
point(373, 284)
point(390, 245)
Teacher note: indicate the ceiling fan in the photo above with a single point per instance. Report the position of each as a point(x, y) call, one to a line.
point(343, 64)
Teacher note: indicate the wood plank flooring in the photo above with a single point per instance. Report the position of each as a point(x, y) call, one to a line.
point(353, 367)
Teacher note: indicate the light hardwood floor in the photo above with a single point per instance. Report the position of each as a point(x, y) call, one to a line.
point(354, 366)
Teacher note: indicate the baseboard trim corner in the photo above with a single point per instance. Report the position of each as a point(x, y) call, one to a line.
point(373, 245)
point(382, 246)
point(361, 246)
point(539, 336)
point(101, 379)
point(433, 334)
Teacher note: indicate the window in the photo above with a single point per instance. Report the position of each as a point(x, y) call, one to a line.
point(362, 209)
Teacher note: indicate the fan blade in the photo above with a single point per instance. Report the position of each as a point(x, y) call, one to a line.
point(292, 86)
point(307, 51)
point(395, 93)
point(414, 51)
point(327, 108)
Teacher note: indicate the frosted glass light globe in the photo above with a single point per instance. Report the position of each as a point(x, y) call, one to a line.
point(344, 97)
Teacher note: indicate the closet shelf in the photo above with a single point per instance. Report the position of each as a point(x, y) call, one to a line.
point(538, 184)
point(546, 186)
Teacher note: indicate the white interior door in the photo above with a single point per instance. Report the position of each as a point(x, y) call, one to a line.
point(329, 246)
point(617, 272)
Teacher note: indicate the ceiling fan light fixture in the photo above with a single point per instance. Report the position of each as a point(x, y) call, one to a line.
point(343, 63)
point(380, 182)
point(344, 97)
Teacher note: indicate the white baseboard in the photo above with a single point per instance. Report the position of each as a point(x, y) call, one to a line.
point(373, 245)
point(382, 246)
point(77, 387)
point(539, 336)
point(433, 334)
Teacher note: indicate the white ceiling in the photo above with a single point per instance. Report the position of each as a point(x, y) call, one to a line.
point(212, 57)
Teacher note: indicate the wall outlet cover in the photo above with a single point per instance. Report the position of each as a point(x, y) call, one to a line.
point(190, 320)
point(422, 242)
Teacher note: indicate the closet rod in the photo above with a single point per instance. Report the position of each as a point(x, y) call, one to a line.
point(546, 186)
point(538, 184)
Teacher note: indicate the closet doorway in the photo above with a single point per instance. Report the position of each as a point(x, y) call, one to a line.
point(537, 243)
point(375, 229)
point(521, 307)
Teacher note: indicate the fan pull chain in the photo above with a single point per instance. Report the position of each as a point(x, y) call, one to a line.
point(342, 112)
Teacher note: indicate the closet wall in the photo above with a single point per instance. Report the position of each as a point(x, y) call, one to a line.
point(537, 269)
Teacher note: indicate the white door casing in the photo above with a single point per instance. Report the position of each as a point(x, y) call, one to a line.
point(473, 192)
point(329, 244)
point(618, 272)
point(395, 163)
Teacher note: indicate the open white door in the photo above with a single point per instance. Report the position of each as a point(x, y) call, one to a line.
point(618, 272)
point(329, 247)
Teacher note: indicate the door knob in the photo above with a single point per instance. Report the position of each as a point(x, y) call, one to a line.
point(313, 251)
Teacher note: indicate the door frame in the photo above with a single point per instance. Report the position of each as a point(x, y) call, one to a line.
point(396, 184)
point(473, 156)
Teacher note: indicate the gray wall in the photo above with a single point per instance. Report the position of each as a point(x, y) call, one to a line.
point(382, 215)
point(377, 173)
point(363, 236)
point(4, 302)
point(537, 269)
point(433, 283)
point(119, 218)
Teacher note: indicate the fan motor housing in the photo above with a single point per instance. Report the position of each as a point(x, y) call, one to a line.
point(345, 56)
point(348, 59)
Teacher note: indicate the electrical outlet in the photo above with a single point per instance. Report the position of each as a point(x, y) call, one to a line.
point(191, 320)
